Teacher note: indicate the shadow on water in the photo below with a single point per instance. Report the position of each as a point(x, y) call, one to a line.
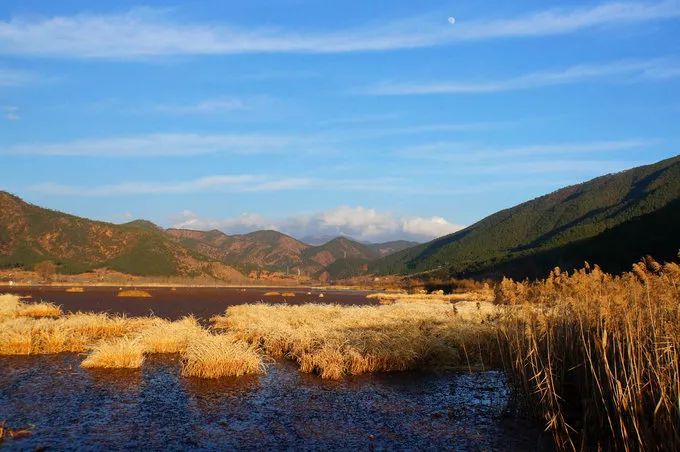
point(156, 408)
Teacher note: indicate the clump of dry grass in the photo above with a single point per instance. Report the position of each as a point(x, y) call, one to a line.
point(288, 294)
point(134, 293)
point(334, 340)
point(434, 297)
point(11, 306)
point(599, 354)
point(121, 353)
point(75, 290)
point(215, 356)
point(170, 337)
point(39, 310)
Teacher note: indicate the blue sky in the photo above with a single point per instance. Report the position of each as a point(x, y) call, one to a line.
point(379, 120)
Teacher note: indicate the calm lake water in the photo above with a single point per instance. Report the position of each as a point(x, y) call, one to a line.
point(202, 302)
point(155, 408)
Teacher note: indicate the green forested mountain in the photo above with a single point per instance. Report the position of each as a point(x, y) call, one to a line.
point(611, 220)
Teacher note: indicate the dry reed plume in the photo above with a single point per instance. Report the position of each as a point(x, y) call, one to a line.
point(334, 340)
point(598, 354)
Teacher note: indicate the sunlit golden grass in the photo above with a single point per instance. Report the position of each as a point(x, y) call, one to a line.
point(288, 294)
point(271, 294)
point(134, 294)
point(170, 337)
point(12, 306)
point(120, 353)
point(334, 340)
point(435, 297)
point(599, 354)
point(38, 310)
point(215, 356)
point(75, 289)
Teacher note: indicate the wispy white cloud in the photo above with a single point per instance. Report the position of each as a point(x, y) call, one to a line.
point(471, 152)
point(145, 32)
point(14, 77)
point(207, 106)
point(218, 183)
point(11, 112)
point(234, 183)
point(165, 144)
point(626, 70)
point(353, 221)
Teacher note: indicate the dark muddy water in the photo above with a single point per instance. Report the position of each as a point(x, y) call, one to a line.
point(155, 408)
point(201, 302)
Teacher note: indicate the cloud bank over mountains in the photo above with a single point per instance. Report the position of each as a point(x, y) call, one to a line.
point(358, 222)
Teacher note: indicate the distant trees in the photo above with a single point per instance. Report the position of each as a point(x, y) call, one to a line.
point(46, 270)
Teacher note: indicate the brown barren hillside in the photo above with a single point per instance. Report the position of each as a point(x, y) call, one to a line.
point(30, 234)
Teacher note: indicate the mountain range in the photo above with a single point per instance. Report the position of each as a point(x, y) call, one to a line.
point(612, 221)
point(30, 234)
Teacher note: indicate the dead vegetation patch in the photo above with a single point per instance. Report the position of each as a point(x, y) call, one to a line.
point(134, 294)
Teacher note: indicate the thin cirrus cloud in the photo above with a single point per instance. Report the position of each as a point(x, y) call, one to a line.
point(625, 70)
point(164, 144)
point(208, 106)
point(357, 222)
point(470, 152)
point(13, 77)
point(236, 183)
point(145, 32)
point(217, 183)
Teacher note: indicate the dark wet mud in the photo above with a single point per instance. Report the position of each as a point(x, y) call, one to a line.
point(173, 304)
point(155, 408)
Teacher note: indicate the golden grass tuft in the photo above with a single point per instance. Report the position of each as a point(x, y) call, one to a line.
point(271, 294)
point(334, 340)
point(288, 294)
point(121, 353)
point(75, 289)
point(215, 356)
point(11, 306)
point(434, 297)
point(39, 310)
point(170, 337)
point(134, 293)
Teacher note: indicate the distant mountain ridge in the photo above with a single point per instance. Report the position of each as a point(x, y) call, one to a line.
point(611, 220)
point(30, 234)
point(275, 251)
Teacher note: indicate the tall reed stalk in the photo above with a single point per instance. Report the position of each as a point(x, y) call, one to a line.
point(598, 354)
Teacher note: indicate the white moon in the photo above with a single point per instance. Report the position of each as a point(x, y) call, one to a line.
point(452, 20)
